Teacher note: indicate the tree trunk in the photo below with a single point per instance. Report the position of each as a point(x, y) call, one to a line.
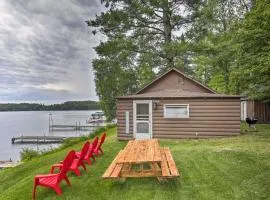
point(226, 77)
point(167, 33)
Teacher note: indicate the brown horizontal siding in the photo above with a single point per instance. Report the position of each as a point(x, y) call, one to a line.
point(191, 136)
point(123, 106)
point(206, 133)
point(121, 116)
point(209, 107)
point(183, 122)
point(174, 125)
point(207, 118)
point(192, 114)
point(220, 118)
point(194, 130)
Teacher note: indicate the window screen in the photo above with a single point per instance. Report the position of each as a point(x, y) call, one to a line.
point(142, 111)
point(176, 111)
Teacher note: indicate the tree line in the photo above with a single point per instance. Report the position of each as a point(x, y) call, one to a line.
point(222, 43)
point(69, 105)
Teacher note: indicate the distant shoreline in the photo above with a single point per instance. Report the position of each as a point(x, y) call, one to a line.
point(66, 106)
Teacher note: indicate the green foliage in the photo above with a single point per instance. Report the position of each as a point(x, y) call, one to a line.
point(27, 154)
point(112, 81)
point(142, 40)
point(69, 105)
point(254, 56)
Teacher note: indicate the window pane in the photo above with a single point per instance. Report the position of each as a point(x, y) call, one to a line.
point(180, 111)
point(142, 127)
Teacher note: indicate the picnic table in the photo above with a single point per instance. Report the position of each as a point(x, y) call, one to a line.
point(142, 158)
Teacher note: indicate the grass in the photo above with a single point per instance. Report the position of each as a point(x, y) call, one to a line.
point(227, 168)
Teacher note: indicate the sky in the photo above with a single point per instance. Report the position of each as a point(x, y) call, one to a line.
point(46, 50)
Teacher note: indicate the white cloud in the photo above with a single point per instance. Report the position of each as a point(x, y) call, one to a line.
point(46, 50)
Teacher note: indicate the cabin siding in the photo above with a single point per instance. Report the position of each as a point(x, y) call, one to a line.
point(258, 109)
point(262, 111)
point(174, 80)
point(207, 118)
point(122, 107)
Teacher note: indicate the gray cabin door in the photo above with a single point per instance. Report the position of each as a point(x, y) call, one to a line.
point(142, 119)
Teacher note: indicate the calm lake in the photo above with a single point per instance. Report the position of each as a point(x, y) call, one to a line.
point(14, 124)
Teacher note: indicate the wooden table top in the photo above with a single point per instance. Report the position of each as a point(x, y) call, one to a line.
point(140, 151)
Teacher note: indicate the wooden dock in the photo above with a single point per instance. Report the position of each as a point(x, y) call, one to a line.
point(8, 164)
point(37, 139)
point(60, 127)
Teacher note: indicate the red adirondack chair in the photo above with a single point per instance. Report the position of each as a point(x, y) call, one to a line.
point(98, 150)
point(89, 153)
point(53, 180)
point(77, 162)
point(93, 146)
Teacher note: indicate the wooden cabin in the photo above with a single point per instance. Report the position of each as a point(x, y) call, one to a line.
point(175, 106)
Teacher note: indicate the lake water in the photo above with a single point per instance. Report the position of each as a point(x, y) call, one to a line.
point(14, 124)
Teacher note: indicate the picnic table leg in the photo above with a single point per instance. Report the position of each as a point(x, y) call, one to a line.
point(141, 168)
point(121, 179)
point(162, 179)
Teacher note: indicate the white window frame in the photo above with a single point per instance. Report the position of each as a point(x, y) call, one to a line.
point(175, 105)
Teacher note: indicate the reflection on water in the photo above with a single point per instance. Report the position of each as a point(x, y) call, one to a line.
point(14, 124)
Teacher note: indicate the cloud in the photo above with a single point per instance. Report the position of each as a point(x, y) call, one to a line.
point(46, 50)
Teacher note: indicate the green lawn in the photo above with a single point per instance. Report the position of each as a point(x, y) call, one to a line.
point(227, 168)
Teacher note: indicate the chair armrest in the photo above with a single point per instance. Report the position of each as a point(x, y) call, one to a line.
point(56, 166)
point(45, 175)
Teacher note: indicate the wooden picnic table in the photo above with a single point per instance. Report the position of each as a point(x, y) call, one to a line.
point(142, 158)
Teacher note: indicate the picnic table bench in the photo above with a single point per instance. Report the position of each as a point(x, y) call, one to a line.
point(142, 158)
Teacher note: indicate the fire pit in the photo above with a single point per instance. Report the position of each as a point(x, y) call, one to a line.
point(251, 122)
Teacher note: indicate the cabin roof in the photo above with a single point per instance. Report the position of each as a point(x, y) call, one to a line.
point(179, 72)
point(176, 92)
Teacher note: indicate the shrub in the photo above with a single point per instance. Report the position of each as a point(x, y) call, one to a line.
point(110, 126)
point(28, 153)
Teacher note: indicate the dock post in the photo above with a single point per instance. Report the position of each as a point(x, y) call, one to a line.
point(50, 122)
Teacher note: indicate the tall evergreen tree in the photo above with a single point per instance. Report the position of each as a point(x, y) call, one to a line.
point(215, 49)
point(253, 74)
point(141, 38)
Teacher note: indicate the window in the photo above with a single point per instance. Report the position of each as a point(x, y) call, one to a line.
point(176, 111)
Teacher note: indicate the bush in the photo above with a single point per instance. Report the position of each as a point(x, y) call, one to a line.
point(28, 153)
point(109, 126)
point(101, 130)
